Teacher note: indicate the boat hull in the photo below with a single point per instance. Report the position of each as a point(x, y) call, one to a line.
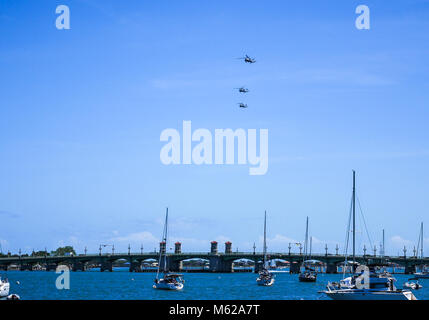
point(11, 297)
point(370, 295)
point(168, 286)
point(4, 289)
point(265, 282)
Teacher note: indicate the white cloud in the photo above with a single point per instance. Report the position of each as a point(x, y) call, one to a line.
point(400, 242)
point(280, 239)
point(4, 245)
point(139, 237)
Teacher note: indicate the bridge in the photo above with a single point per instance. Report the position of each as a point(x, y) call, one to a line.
point(222, 262)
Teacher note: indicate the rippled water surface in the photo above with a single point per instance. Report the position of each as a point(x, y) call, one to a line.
point(121, 284)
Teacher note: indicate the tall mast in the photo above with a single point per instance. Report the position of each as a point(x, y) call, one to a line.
point(165, 240)
point(265, 238)
point(384, 249)
point(354, 219)
point(421, 249)
point(306, 240)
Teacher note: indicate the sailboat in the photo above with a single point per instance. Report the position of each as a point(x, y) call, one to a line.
point(4, 288)
point(424, 273)
point(265, 278)
point(378, 286)
point(169, 281)
point(309, 274)
point(4, 291)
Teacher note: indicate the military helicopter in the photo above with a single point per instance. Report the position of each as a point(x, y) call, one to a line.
point(242, 90)
point(242, 105)
point(247, 59)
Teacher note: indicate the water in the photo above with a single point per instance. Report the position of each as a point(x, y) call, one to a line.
point(121, 284)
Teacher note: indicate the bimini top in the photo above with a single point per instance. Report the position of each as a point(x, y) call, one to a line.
point(173, 275)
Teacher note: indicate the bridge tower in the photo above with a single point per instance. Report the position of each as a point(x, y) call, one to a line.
point(162, 247)
point(228, 247)
point(213, 247)
point(178, 248)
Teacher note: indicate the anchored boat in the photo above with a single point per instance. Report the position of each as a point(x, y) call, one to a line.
point(4, 288)
point(169, 281)
point(309, 274)
point(368, 284)
point(424, 273)
point(266, 278)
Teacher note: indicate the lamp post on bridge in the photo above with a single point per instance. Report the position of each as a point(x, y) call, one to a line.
point(289, 248)
point(326, 249)
point(364, 251)
point(107, 245)
point(336, 249)
point(129, 249)
point(254, 248)
point(141, 249)
point(415, 252)
point(405, 252)
point(85, 250)
point(375, 250)
point(300, 249)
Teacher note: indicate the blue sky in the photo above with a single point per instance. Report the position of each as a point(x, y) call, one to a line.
point(81, 112)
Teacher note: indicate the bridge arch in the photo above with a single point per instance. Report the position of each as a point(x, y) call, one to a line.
point(243, 265)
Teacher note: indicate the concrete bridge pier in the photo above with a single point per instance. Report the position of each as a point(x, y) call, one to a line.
point(175, 265)
point(217, 264)
point(294, 267)
point(331, 268)
point(258, 266)
point(25, 267)
point(410, 269)
point(135, 266)
point(106, 266)
point(50, 266)
point(78, 266)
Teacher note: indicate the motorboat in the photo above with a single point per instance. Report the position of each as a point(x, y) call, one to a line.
point(420, 275)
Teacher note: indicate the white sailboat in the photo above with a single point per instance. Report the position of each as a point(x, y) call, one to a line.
point(265, 278)
point(424, 273)
point(169, 281)
point(308, 275)
point(4, 288)
point(379, 286)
